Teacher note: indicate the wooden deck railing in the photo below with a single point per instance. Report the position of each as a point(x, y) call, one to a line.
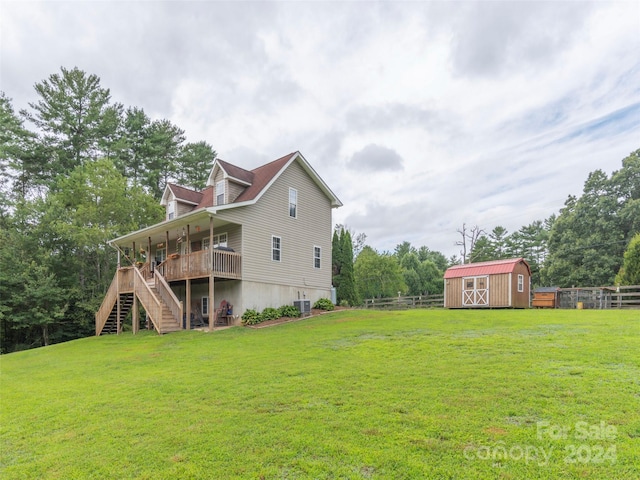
point(148, 300)
point(145, 271)
point(107, 304)
point(227, 264)
point(198, 264)
point(168, 297)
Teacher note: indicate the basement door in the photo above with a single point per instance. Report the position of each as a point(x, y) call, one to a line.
point(475, 291)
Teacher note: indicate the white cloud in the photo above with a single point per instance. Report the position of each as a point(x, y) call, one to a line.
point(419, 115)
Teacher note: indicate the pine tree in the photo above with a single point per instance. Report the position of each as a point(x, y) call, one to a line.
point(336, 259)
point(347, 291)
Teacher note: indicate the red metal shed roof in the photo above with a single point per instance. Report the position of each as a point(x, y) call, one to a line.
point(485, 268)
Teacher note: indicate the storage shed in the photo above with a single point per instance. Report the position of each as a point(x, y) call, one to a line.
point(495, 284)
point(546, 297)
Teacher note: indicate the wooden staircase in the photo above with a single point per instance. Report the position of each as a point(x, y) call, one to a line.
point(167, 323)
point(163, 309)
point(111, 325)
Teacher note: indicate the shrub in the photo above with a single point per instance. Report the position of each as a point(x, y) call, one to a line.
point(344, 303)
point(251, 317)
point(270, 313)
point(324, 304)
point(289, 311)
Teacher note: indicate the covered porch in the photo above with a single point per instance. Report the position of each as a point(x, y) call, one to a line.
point(196, 247)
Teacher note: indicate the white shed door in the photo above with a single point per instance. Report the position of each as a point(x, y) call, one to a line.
point(475, 291)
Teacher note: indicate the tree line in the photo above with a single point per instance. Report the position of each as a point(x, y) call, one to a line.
point(76, 170)
point(594, 240)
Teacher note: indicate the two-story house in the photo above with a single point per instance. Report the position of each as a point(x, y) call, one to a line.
point(253, 238)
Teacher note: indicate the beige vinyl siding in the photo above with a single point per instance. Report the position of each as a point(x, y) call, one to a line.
point(233, 191)
point(234, 236)
point(184, 208)
point(269, 216)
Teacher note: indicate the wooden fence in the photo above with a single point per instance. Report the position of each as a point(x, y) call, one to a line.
point(626, 297)
point(599, 298)
point(400, 303)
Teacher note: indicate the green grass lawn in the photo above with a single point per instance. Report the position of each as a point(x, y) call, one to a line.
point(354, 394)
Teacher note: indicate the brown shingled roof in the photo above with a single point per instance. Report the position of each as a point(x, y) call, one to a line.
point(262, 176)
point(185, 194)
point(258, 178)
point(236, 172)
point(207, 198)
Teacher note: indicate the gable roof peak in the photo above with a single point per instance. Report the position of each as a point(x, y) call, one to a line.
point(234, 172)
point(258, 180)
point(182, 194)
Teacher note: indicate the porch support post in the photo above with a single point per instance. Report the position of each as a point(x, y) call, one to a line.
point(166, 244)
point(118, 258)
point(188, 309)
point(149, 251)
point(186, 261)
point(134, 255)
point(135, 315)
point(212, 306)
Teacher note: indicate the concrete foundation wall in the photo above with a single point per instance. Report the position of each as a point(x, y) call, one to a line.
point(245, 295)
point(259, 296)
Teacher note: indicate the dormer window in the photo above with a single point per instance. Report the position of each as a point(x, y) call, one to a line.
point(171, 210)
point(220, 193)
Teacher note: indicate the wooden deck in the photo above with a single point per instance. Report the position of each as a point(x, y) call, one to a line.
point(199, 265)
point(153, 290)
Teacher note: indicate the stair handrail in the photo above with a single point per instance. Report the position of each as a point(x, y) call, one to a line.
point(169, 298)
point(145, 270)
point(149, 301)
point(102, 315)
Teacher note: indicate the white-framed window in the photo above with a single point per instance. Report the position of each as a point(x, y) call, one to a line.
point(276, 248)
point(317, 253)
point(205, 305)
point(520, 283)
point(220, 193)
point(220, 240)
point(293, 203)
point(171, 210)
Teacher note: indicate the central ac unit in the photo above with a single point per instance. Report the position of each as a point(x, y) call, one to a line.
point(304, 306)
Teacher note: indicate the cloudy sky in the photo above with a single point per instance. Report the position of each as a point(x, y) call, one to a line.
point(421, 116)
